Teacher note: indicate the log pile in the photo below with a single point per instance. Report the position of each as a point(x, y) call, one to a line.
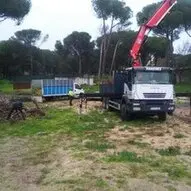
point(6, 108)
point(37, 111)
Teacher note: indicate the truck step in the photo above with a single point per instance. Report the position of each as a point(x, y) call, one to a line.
point(114, 105)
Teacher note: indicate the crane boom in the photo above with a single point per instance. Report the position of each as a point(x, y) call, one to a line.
point(154, 21)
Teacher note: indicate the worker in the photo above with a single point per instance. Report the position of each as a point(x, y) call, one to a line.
point(70, 96)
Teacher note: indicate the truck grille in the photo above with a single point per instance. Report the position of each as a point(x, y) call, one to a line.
point(154, 95)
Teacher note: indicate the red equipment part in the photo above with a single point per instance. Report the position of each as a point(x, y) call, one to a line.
point(154, 21)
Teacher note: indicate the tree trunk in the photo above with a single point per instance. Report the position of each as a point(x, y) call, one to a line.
point(103, 47)
point(114, 56)
point(101, 59)
point(31, 63)
point(167, 50)
point(80, 66)
point(107, 40)
point(170, 61)
point(79, 60)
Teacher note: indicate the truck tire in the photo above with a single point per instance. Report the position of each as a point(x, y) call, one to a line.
point(124, 113)
point(170, 113)
point(162, 116)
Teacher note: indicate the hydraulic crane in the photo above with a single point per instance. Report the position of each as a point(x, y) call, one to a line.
point(153, 22)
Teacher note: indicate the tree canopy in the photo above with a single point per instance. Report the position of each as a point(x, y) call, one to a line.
point(78, 54)
point(114, 9)
point(14, 9)
point(77, 45)
point(29, 37)
point(118, 14)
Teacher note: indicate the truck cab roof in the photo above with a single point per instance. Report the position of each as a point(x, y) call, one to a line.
point(146, 68)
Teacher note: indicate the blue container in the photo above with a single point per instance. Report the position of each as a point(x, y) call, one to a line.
point(52, 88)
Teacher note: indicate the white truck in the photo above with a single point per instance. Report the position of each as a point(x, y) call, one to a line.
point(52, 88)
point(147, 90)
point(141, 90)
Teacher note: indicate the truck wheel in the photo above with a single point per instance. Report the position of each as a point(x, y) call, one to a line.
point(124, 113)
point(162, 116)
point(170, 113)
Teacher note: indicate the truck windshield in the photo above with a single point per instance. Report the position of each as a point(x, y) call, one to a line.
point(152, 77)
point(77, 86)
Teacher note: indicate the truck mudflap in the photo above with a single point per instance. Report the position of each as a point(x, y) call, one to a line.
point(151, 106)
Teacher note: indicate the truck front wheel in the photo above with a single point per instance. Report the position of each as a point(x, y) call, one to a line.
point(162, 116)
point(124, 112)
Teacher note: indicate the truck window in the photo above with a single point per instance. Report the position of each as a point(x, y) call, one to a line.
point(77, 86)
point(153, 77)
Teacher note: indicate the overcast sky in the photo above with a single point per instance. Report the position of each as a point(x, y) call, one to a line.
point(59, 18)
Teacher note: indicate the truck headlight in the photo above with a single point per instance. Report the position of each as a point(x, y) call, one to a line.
point(171, 108)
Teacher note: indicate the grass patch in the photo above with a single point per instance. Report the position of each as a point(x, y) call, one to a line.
point(170, 151)
point(62, 120)
point(177, 171)
point(139, 144)
point(91, 89)
point(40, 147)
point(6, 87)
point(23, 92)
point(125, 156)
point(170, 165)
point(69, 181)
point(44, 173)
point(188, 153)
point(143, 121)
point(93, 145)
point(138, 170)
point(101, 183)
point(183, 88)
point(179, 136)
point(171, 188)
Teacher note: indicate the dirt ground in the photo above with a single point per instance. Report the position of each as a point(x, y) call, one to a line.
point(24, 166)
point(183, 110)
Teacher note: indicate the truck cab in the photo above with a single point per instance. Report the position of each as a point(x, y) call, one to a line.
point(77, 89)
point(143, 90)
point(148, 90)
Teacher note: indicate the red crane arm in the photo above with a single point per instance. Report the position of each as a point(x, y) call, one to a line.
point(145, 29)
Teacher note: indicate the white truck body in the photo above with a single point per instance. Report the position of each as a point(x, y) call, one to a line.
point(147, 90)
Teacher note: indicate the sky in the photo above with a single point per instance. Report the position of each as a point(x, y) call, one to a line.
point(59, 18)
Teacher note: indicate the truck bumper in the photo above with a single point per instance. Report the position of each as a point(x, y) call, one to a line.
point(152, 106)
